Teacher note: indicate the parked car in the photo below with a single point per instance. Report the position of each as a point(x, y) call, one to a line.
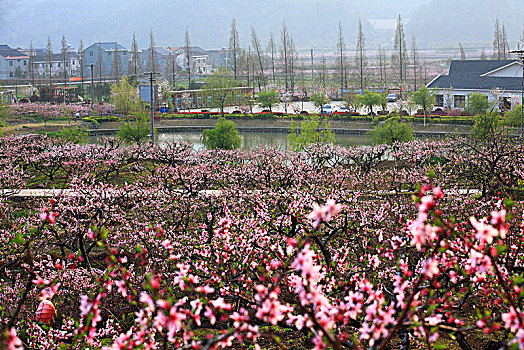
point(327, 109)
point(391, 98)
point(341, 109)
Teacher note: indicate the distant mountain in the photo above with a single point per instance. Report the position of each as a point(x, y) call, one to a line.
point(444, 22)
point(312, 23)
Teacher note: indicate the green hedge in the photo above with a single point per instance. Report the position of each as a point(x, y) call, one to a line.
point(95, 119)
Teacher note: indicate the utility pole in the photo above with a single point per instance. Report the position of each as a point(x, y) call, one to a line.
point(520, 54)
point(92, 86)
point(152, 107)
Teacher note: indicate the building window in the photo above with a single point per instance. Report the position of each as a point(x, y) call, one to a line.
point(91, 54)
point(460, 101)
point(109, 64)
point(109, 53)
point(58, 64)
point(10, 74)
point(73, 63)
point(124, 63)
point(25, 63)
point(125, 53)
point(439, 99)
point(10, 63)
point(42, 65)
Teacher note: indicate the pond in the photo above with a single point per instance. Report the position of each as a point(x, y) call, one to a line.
point(252, 140)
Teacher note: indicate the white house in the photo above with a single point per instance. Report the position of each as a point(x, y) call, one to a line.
point(499, 80)
point(13, 63)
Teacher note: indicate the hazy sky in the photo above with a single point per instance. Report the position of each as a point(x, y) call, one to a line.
point(312, 23)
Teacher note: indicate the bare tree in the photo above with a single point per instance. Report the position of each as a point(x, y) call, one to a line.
point(504, 43)
point(135, 59)
point(32, 63)
point(284, 52)
point(399, 59)
point(521, 44)
point(152, 60)
point(462, 53)
point(81, 63)
point(361, 61)
point(49, 59)
point(382, 66)
point(414, 60)
point(100, 65)
point(64, 58)
point(483, 55)
point(116, 64)
point(500, 42)
point(340, 66)
point(234, 47)
point(260, 55)
point(272, 49)
point(322, 77)
point(293, 57)
point(171, 70)
point(188, 57)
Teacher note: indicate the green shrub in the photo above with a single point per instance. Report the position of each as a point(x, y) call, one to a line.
point(391, 131)
point(310, 131)
point(223, 136)
point(74, 134)
point(135, 133)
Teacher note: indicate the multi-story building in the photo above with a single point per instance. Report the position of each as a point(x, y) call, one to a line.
point(161, 56)
point(102, 57)
point(53, 65)
point(13, 63)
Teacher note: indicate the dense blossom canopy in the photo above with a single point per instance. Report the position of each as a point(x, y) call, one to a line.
point(363, 247)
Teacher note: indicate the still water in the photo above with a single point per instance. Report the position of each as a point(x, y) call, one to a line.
point(255, 139)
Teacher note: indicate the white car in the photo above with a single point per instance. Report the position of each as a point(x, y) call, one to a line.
point(326, 109)
point(391, 98)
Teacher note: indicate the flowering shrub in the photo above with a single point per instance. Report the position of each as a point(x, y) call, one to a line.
point(57, 111)
point(172, 248)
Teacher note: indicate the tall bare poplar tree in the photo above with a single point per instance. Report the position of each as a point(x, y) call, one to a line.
point(152, 60)
point(188, 57)
point(49, 59)
point(116, 64)
point(171, 71)
point(504, 43)
point(341, 57)
point(521, 44)
point(32, 63)
point(399, 60)
point(234, 47)
point(323, 72)
point(284, 52)
point(260, 55)
point(134, 67)
point(500, 42)
point(361, 61)
point(81, 63)
point(462, 53)
point(272, 50)
point(414, 61)
point(64, 58)
point(382, 67)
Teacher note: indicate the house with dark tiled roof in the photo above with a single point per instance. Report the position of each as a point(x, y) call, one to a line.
point(55, 66)
point(496, 79)
point(13, 63)
point(101, 56)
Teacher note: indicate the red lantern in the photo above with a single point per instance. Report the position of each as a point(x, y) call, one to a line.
point(46, 312)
